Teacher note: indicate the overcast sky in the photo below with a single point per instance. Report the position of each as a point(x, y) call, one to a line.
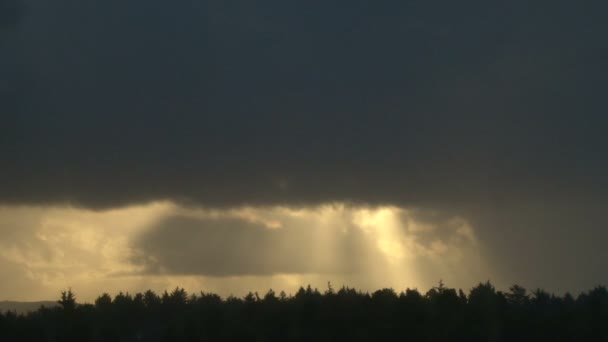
point(234, 145)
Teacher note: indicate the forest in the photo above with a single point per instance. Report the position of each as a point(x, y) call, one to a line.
point(344, 314)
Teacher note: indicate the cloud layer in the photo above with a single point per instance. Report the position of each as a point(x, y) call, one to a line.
point(11, 12)
point(493, 113)
point(224, 103)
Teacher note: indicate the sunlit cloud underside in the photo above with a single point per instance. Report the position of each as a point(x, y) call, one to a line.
point(163, 245)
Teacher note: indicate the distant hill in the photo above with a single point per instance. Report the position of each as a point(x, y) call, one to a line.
point(24, 307)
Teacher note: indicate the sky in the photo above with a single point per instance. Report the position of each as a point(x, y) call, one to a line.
point(233, 145)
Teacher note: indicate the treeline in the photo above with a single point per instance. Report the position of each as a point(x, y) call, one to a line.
point(441, 314)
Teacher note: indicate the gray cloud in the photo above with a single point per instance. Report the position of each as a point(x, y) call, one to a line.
point(225, 103)
point(557, 244)
point(236, 247)
point(11, 12)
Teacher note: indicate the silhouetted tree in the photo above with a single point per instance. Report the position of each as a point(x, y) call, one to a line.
point(68, 300)
point(486, 311)
point(103, 302)
point(517, 295)
point(441, 314)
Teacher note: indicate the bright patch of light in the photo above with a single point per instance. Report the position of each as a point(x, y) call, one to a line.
point(91, 251)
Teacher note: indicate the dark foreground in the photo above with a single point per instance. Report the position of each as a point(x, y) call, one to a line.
point(441, 314)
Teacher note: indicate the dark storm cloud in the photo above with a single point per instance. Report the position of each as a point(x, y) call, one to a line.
point(235, 247)
point(471, 108)
point(560, 245)
point(11, 12)
point(232, 102)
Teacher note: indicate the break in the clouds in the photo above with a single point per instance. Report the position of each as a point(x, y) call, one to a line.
point(229, 247)
point(326, 240)
point(490, 112)
point(229, 251)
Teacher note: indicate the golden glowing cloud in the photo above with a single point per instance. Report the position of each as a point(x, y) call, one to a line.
point(92, 251)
